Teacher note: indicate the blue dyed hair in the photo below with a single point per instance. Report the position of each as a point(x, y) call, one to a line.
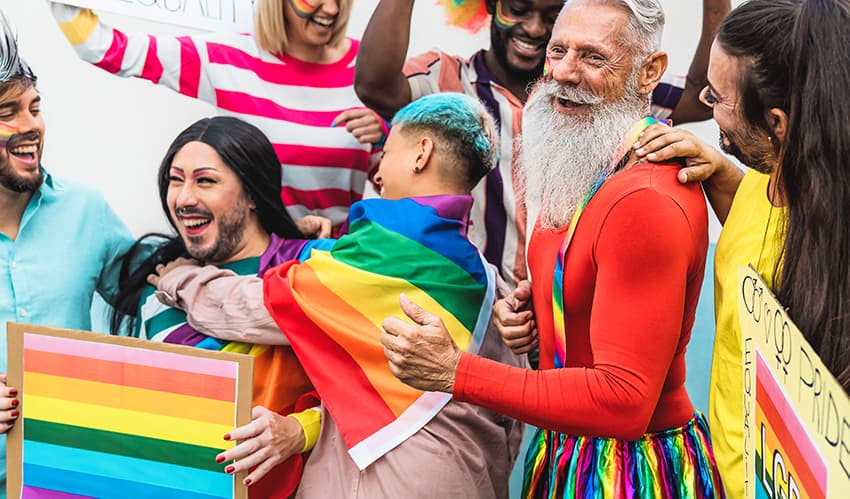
point(462, 127)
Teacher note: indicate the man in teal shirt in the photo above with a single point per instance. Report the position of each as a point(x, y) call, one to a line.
point(59, 241)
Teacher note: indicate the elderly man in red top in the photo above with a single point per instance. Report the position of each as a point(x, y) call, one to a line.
point(616, 257)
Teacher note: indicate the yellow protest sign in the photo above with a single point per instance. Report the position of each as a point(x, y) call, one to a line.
point(796, 415)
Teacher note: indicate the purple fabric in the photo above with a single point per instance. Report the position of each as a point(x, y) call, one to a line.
point(453, 206)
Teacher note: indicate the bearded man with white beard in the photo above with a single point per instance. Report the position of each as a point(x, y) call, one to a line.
point(617, 257)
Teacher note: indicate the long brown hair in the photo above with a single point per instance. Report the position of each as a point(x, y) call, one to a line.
point(797, 54)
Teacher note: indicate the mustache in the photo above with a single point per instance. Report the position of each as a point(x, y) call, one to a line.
point(182, 211)
point(552, 88)
point(22, 137)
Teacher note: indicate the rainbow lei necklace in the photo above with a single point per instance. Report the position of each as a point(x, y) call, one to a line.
point(558, 281)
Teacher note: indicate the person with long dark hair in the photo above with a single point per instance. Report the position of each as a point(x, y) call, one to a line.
point(219, 188)
point(778, 82)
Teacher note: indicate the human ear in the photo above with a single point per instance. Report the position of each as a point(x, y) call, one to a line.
point(651, 71)
point(426, 149)
point(778, 123)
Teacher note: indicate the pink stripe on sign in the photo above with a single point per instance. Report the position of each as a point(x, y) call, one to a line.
point(789, 416)
point(289, 72)
point(114, 56)
point(138, 356)
point(29, 492)
point(243, 103)
point(153, 67)
point(337, 157)
point(190, 67)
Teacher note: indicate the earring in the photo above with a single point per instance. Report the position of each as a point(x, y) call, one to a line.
point(416, 169)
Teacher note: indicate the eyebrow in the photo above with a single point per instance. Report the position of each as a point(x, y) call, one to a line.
point(203, 170)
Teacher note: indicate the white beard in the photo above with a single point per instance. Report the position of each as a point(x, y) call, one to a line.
point(563, 156)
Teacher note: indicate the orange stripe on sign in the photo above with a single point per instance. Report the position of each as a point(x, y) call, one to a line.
point(133, 375)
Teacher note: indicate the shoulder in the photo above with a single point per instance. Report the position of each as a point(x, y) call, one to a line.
point(71, 192)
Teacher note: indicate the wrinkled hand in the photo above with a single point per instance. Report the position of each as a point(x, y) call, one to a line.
point(160, 270)
point(268, 440)
point(514, 319)
point(663, 143)
point(363, 124)
point(8, 405)
point(421, 355)
point(315, 226)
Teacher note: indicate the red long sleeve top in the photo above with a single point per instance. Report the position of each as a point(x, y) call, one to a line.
point(631, 285)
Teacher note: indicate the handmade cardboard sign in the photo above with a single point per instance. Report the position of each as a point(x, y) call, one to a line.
point(108, 416)
point(796, 415)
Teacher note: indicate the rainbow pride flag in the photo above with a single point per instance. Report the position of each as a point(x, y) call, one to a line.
point(331, 306)
point(786, 457)
point(103, 420)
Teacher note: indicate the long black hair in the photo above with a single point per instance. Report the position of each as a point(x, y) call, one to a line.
point(246, 151)
point(798, 53)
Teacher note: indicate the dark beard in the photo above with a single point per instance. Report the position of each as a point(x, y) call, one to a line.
point(231, 231)
point(497, 46)
point(16, 183)
point(758, 156)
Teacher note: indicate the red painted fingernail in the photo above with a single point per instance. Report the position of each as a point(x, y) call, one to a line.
point(13, 391)
point(248, 481)
point(227, 436)
point(219, 459)
point(15, 402)
point(229, 469)
point(13, 414)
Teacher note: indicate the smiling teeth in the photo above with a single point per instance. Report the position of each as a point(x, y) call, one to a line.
point(324, 22)
point(195, 222)
point(24, 150)
point(526, 46)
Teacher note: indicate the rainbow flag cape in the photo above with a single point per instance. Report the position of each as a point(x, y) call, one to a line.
point(331, 306)
point(470, 15)
point(280, 384)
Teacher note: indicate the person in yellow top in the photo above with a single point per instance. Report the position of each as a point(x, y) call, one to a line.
point(771, 88)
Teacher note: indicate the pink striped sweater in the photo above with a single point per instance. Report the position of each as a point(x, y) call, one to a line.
point(293, 102)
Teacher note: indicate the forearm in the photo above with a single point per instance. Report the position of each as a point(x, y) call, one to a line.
point(378, 78)
point(221, 304)
point(575, 401)
point(174, 62)
point(721, 187)
point(690, 108)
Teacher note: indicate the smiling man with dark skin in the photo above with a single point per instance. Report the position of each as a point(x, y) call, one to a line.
point(501, 78)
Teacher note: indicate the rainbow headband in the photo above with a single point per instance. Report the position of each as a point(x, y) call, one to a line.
point(303, 8)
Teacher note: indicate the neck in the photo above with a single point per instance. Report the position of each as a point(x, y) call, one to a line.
point(255, 243)
point(12, 206)
point(317, 54)
point(774, 189)
point(516, 83)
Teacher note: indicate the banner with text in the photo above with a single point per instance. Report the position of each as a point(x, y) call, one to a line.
point(796, 415)
point(235, 16)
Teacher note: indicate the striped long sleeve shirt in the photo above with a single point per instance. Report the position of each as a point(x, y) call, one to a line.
point(293, 102)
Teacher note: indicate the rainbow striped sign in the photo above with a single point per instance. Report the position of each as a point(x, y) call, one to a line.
point(796, 415)
point(104, 416)
point(794, 466)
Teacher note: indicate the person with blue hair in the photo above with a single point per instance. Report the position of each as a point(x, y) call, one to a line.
point(413, 240)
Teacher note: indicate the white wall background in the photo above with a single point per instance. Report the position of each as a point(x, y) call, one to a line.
point(112, 132)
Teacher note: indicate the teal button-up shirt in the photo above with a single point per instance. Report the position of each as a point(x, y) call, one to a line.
point(69, 245)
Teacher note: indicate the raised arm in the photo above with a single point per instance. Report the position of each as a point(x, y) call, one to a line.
point(378, 77)
point(689, 107)
point(175, 62)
